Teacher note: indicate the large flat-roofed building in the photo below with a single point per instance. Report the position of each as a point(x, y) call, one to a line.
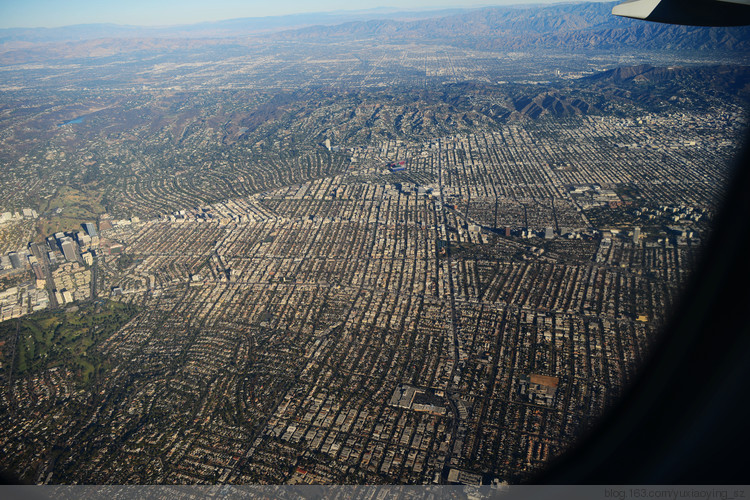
point(15, 260)
point(413, 398)
point(403, 396)
point(539, 389)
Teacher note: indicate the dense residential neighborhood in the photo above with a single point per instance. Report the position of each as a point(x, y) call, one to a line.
point(382, 259)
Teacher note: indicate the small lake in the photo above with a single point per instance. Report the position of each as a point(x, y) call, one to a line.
point(74, 120)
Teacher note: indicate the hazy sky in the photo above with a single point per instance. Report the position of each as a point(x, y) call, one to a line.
point(50, 13)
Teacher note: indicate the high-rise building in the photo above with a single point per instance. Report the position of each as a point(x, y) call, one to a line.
point(88, 258)
point(636, 235)
point(90, 229)
point(549, 233)
point(69, 249)
point(83, 239)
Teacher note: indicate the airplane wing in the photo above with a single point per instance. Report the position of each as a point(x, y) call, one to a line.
point(689, 12)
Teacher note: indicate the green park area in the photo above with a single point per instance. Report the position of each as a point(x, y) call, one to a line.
point(67, 209)
point(65, 338)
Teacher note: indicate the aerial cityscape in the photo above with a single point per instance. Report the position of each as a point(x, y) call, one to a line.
point(428, 249)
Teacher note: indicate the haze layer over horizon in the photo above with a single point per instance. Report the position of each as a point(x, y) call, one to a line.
point(51, 14)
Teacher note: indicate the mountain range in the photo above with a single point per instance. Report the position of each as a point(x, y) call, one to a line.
point(577, 26)
point(559, 27)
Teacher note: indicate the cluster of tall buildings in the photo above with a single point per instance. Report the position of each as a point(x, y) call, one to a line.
point(62, 263)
